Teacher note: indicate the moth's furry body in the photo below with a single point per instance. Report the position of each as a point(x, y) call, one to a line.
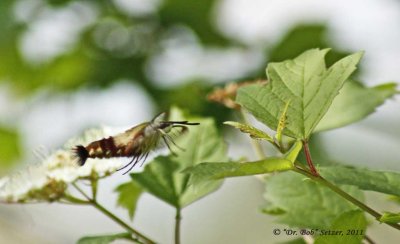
point(136, 142)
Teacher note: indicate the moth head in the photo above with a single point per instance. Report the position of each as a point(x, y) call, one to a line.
point(160, 124)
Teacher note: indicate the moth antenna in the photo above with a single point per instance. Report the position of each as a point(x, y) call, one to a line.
point(81, 153)
point(182, 122)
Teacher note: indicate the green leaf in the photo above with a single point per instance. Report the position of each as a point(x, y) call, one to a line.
point(305, 203)
point(306, 82)
point(104, 239)
point(10, 147)
point(295, 241)
point(392, 218)
point(272, 210)
point(394, 199)
point(163, 177)
point(214, 171)
point(252, 131)
point(128, 195)
point(364, 179)
point(348, 228)
point(347, 108)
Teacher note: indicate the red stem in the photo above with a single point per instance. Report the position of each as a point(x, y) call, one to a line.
point(308, 158)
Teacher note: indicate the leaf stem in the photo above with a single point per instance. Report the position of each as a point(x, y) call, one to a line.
point(72, 199)
point(343, 194)
point(256, 144)
point(178, 218)
point(309, 159)
point(102, 209)
point(81, 192)
point(94, 182)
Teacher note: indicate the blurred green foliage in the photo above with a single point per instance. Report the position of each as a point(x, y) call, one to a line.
point(304, 37)
point(197, 15)
point(9, 147)
point(91, 61)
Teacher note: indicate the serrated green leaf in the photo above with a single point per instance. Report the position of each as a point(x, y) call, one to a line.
point(128, 195)
point(349, 221)
point(306, 82)
point(347, 108)
point(252, 131)
point(392, 218)
point(103, 239)
point(306, 204)
point(214, 171)
point(364, 179)
point(163, 177)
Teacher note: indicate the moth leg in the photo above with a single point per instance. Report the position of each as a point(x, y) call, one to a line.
point(144, 160)
point(172, 140)
point(127, 164)
point(167, 137)
point(169, 147)
point(182, 127)
point(133, 165)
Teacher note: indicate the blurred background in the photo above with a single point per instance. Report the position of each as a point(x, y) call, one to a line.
point(69, 65)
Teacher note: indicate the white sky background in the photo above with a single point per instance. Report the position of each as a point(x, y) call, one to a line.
point(370, 25)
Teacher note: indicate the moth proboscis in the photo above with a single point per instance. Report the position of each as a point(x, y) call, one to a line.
point(137, 142)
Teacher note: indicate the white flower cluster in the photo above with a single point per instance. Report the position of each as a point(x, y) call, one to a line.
point(49, 180)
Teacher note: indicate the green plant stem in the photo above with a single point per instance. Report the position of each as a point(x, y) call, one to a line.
point(102, 209)
point(82, 192)
point(343, 194)
point(72, 199)
point(122, 223)
point(178, 218)
point(94, 182)
point(256, 144)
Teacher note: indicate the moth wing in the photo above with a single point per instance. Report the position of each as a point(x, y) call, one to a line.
point(132, 147)
point(125, 138)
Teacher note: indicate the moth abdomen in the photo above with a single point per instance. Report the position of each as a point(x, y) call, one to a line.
point(104, 148)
